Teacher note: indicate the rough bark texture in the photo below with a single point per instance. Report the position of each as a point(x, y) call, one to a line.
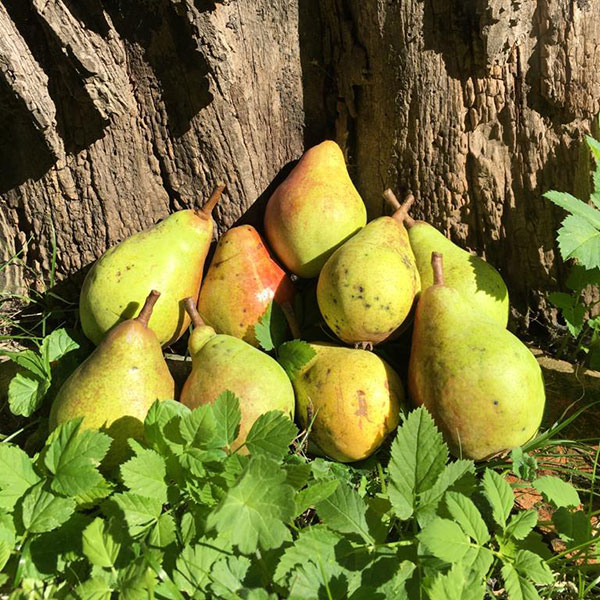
point(115, 112)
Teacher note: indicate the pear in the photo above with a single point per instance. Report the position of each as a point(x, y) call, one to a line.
point(225, 363)
point(368, 286)
point(116, 385)
point(314, 210)
point(169, 257)
point(475, 279)
point(480, 383)
point(241, 282)
point(353, 396)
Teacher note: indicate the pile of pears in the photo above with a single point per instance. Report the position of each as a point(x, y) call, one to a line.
point(375, 281)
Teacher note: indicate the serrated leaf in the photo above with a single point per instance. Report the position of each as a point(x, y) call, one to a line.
point(467, 515)
point(198, 428)
point(29, 360)
point(271, 434)
point(92, 497)
point(499, 495)
point(535, 543)
point(295, 356)
point(57, 344)
point(572, 526)
point(524, 465)
point(579, 278)
point(521, 524)
point(594, 146)
point(533, 567)
point(43, 511)
point(315, 493)
point(5, 551)
point(145, 474)
point(226, 409)
point(518, 587)
point(228, 574)
point(96, 588)
point(557, 491)
point(16, 475)
point(164, 532)
point(578, 238)
point(297, 475)
point(456, 584)
point(72, 455)
point(140, 512)
point(445, 540)
point(418, 457)
point(99, 546)
point(256, 508)
point(25, 394)
point(478, 561)
point(161, 427)
point(575, 206)
point(194, 563)
point(271, 329)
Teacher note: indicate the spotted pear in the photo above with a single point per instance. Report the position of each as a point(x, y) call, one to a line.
point(474, 278)
point(368, 286)
point(353, 399)
point(481, 384)
point(116, 385)
point(314, 210)
point(241, 282)
point(225, 363)
point(168, 257)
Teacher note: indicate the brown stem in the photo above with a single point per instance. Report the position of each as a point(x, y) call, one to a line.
point(401, 210)
point(148, 307)
point(391, 199)
point(208, 207)
point(190, 307)
point(290, 317)
point(437, 264)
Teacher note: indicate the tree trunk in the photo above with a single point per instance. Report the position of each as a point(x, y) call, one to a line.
point(115, 112)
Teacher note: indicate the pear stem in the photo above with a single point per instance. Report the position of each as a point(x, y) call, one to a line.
point(290, 317)
point(190, 307)
point(437, 264)
point(148, 307)
point(210, 204)
point(401, 210)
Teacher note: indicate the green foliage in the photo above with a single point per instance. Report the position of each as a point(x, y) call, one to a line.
point(272, 329)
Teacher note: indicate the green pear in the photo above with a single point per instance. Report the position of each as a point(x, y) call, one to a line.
point(169, 257)
point(116, 385)
point(314, 210)
point(474, 278)
point(368, 286)
point(225, 363)
point(352, 398)
point(480, 383)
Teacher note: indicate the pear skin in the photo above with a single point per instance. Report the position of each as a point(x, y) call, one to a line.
point(314, 210)
point(241, 282)
point(116, 385)
point(168, 257)
point(368, 286)
point(480, 383)
point(355, 398)
point(225, 363)
point(474, 278)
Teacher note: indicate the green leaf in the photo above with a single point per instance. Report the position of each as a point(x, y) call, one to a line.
point(579, 278)
point(524, 465)
point(194, 564)
point(199, 427)
point(467, 515)
point(572, 311)
point(228, 574)
point(72, 455)
point(99, 545)
point(533, 567)
point(297, 474)
point(594, 146)
point(574, 206)
point(140, 512)
point(271, 434)
point(445, 540)
point(96, 588)
point(163, 532)
point(456, 584)
point(521, 524)
point(557, 491)
point(295, 356)
point(418, 457)
point(16, 475)
point(500, 496)
point(29, 360)
point(161, 427)
point(256, 508)
point(271, 329)
point(43, 511)
point(227, 413)
point(25, 394)
point(313, 494)
point(344, 511)
point(518, 587)
point(57, 344)
point(5, 552)
point(579, 239)
point(145, 474)
point(572, 527)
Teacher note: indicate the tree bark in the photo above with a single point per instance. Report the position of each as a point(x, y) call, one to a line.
point(115, 112)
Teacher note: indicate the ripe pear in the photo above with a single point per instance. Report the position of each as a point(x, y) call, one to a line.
point(225, 363)
point(480, 383)
point(474, 278)
point(116, 385)
point(314, 210)
point(169, 257)
point(355, 398)
point(241, 282)
point(368, 286)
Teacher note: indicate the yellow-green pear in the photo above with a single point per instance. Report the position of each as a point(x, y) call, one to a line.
point(169, 257)
point(116, 385)
point(353, 399)
point(225, 363)
point(368, 286)
point(474, 278)
point(314, 210)
point(481, 384)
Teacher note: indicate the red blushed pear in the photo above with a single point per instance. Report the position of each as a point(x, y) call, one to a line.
point(240, 283)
